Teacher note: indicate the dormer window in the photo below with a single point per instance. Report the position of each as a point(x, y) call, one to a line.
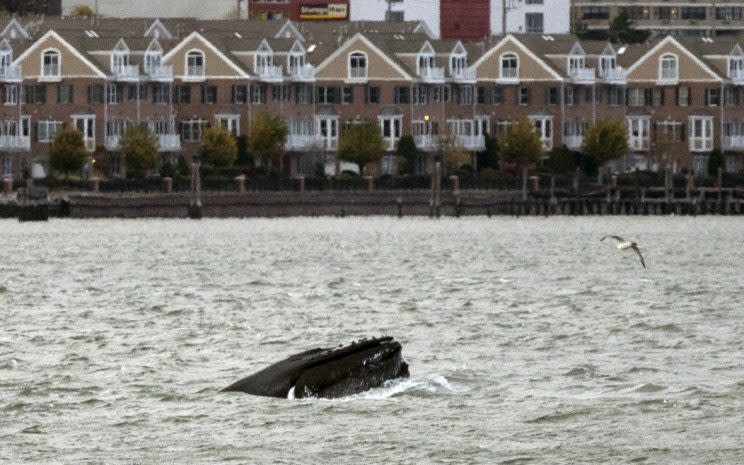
point(195, 63)
point(668, 70)
point(119, 61)
point(509, 66)
point(50, 67)
point(607, 63)
point(736, 67)
point(425, 62)
point(358, 65)
point(6, 58)
point(458, 63)
point(264, 61)
point(576, 63)
point(153, 60)
point(296, 61)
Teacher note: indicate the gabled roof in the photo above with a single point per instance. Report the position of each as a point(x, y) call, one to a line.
point(549, 68)
point(81, 55)
point(14, 30)
point(386, 56)
point(232, 63)
point(671, 40)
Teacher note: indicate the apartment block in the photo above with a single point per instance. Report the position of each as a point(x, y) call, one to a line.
point(676, 17)
point(680, 98)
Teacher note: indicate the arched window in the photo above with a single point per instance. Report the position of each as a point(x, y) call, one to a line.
point(509, 66)
point(668, 70)
point(50, 64)
point(195, 63)
point(357, 65)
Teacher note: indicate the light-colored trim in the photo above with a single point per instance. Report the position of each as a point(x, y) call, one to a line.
point(18, 26)
point(676, 62)
point(511, 38)
point(43, 76)
point(368, 43)
point(288, 25)
point(186, 63)
point(349, 77)
point(159, 24)
point(684, 50)
point(501, 65)
point(72, 49)
point(196, 35)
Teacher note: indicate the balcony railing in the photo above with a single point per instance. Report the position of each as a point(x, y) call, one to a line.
point(638, 144)
point(90, 145)
point(509, 75)
point(615, 75)
point(169, 142)
point(303, 142)
point(269, 73)
point(358, 73)
point(11, 73)
point(573, 142)
point(736, 76)
point(701, 144)
point(50, 72)
point(195, 73)
point(126, 73)
point(302, 73)
point(161, 73)
point(112, 142)
point(15, 143)
point(432, 73)
point(733, 142)
point(426, 142)
point(582, 75)
point(464, 75)
point(474, 143)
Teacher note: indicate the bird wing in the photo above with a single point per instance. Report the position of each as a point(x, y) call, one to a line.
point(617, 238)
point(638, 252)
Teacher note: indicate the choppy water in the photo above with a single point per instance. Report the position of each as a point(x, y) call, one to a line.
point(529, 341)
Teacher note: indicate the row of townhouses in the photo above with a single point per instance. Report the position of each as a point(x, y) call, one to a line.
point(179, 76)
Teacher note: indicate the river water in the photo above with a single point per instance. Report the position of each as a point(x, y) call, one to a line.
point(529, 341)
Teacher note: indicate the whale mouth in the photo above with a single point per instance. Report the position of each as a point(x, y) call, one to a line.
point(329, 373)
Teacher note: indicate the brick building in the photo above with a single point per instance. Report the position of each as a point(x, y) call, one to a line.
point(179, 76)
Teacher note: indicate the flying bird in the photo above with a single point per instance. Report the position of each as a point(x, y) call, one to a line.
point(622, 244)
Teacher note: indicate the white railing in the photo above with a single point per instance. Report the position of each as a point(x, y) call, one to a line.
point(463, 75)
point(432, 73)
point(302, 142)
point(473, 142)
point(112, 142)
point(90, 145)
point(426, 141)
point(509, 74)
point(269, 72)
point(50, 72)
point(194, 73)
point(330, 144)
point(126, 72)
point(358, 73)
point(733, 142)
point(161, 73)
point(11, 73)
point(736, 76)
point(701, 144)
point(169, 142)
point(302, 73)
point(15, 142)
point(638, 144)
point(582, 74)
point(547, 144)
point(573, 142)
point(615, 75)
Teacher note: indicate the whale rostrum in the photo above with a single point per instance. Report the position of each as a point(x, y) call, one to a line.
point(329, 373)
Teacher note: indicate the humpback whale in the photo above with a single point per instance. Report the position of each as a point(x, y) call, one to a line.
point(329, 373)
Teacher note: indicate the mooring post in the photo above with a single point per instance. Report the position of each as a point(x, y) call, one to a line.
point(399, 203)
point(240, 183)
point(195, 204)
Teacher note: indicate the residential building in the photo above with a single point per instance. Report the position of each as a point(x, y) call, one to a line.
point(679, 98)
point(678, 17)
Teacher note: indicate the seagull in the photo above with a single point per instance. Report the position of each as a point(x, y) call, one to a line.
point(622, 244)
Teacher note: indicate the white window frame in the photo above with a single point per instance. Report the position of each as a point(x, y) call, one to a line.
point(502, 68)
point(88, 129)
point(11, 94)
point(575, 63)
point(458, 63)
point(700, 134)
point(196, 128)
point(355, 71)
point(639, 133)
point(544, 127)
point(327, 130)
point(47, 125)
point(195, 53)
point(666, 74)
point(231, 122)
point(56, 67)
point(153, 60)
point(295, 61)
point(391, 129)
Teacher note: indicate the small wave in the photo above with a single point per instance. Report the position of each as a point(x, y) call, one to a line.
point(633, 370)
point(649, 387)
point(559, 416)
point(582, 371)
